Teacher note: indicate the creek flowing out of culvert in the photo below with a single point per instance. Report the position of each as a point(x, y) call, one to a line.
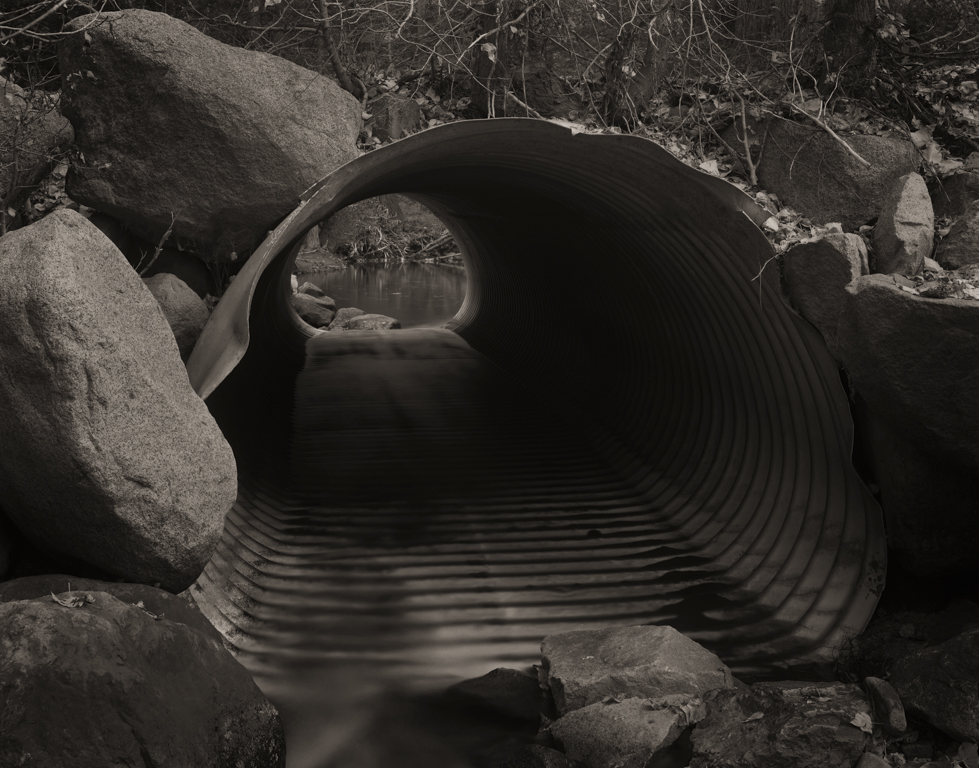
point(622, 425)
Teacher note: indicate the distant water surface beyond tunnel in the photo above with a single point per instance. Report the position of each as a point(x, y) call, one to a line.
point(418, 295)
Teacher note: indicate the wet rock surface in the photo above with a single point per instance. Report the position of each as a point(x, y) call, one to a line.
point(317, 312)
point(961, 246)
point(370, 322)
point(87, 675)
point(108, 454)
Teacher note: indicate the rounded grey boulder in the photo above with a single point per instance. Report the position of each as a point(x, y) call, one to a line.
point(108, 454)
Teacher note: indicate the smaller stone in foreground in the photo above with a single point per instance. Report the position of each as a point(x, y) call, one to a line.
point(624, 732)
point(888, 709)
point(905, 229)
point(184, 310)
point(585, 667)
point(938, 684)
point(92, 682)
point(782, 725)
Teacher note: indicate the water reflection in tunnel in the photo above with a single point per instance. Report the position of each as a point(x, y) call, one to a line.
point(388, 255)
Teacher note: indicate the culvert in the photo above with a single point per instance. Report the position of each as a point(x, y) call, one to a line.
point(623, 424)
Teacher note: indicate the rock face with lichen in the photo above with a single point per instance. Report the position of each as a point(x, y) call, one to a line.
point(108, 454)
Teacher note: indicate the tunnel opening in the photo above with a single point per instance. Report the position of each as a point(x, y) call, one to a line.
point(435, 501)
point(387, 256)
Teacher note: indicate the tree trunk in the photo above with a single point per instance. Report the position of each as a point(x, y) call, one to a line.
point(849, 43)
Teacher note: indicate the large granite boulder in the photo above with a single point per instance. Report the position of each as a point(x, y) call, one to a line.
point(783, 725)
point(938, 685)
point(176, 127)
point(816, 275)
point(90, 681)
point(812, 172)
point(585, 667)
point(929, 501)
point(184, 310)
point(905, 230)
point(108, 455)
point(912, 360)
point(31, 130)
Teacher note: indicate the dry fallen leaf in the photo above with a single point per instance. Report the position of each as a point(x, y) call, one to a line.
point(71, 601)
point(863, 722)
point(753, 716)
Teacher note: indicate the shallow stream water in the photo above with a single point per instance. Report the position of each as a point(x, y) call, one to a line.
point(415, 294)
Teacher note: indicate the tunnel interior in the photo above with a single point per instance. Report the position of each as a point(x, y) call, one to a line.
point(624, 424)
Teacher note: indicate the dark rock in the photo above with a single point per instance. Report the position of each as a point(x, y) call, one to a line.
point(184, 310)
point(316, 292)
point(537, 756)
point(31, 130)
point(912, 360)
point(509, 691)
point(624, 732)
point(816, 275)
point(344, 315)
point(951, 196)
point(782, 725)
point(108, 454)
point(905, 229)
point(586, 667)
point(870, 760)
point(928, 500)
point(938, 685)
point(315, 312)
point(172, 123)
point(887, 706)
point(812, 172)
point(7, 539)
point(107, 684)
point(394, 117)
point(370, 323)
point(961, 246)
point(158, 602)
point(918, 750)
